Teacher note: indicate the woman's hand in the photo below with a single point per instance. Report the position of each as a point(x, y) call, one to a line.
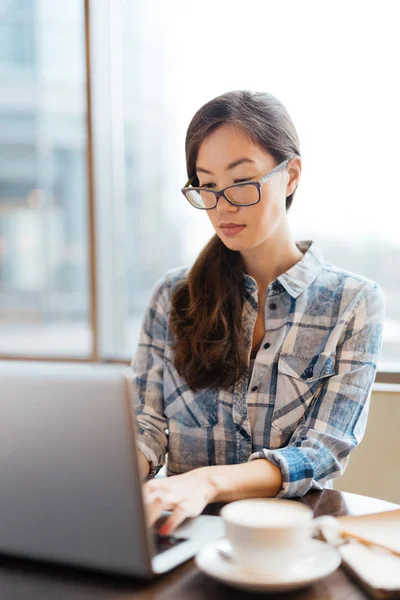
point(185, 495)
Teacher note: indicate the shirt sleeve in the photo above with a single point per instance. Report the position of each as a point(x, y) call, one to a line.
point(335, 422)
point(148, 369)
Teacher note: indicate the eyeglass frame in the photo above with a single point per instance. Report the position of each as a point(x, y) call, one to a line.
point(218, 193)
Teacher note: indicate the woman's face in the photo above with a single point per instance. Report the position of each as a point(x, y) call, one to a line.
point(228, 156)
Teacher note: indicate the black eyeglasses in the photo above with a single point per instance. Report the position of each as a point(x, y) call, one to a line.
point(239, 194)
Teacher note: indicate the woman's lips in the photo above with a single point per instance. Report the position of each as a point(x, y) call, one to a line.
point(231, 230)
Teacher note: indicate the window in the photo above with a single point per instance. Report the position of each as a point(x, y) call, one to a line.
point(152, 65)
point(43, 204)
point(332, 66)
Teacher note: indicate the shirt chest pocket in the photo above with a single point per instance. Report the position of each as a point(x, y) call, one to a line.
point(189, 408)
point(299, 379)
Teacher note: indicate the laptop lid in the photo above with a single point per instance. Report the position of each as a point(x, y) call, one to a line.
point(70, 489)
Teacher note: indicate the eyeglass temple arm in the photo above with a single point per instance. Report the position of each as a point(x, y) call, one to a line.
point(189, 182)
point(262, 180)
point(278, 168)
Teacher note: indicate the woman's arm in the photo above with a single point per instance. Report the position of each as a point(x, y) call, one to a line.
point(336, 420)
point(256, 479)
point(144, 466)
point(187, 494)
point(148, 370)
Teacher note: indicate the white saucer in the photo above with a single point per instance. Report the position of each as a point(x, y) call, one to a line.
point(320, 561)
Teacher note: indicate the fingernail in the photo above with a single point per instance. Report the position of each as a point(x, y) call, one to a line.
point(164, 530)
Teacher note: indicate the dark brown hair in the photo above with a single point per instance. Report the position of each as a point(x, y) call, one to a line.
point(206, 308)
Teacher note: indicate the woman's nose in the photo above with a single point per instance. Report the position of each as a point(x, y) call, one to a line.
point(224, 206)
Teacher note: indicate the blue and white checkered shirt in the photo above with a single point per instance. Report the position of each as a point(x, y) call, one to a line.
point(304, 406)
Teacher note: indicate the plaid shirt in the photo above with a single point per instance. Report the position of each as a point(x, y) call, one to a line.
point(304, 406)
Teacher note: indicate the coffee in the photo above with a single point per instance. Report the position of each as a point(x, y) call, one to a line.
point(278, 514)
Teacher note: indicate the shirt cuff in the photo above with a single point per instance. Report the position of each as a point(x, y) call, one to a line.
point(296, 469)
point(151, 457)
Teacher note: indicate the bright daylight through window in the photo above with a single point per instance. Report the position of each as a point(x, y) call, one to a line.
point(337, 79)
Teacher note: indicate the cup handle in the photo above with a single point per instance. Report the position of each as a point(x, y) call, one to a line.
point(326, 528)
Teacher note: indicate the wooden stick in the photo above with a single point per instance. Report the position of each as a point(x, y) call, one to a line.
point(365, 542)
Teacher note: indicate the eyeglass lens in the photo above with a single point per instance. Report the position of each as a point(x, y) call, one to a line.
point(242, 194)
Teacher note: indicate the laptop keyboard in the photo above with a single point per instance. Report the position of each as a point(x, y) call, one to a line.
point(162, 543)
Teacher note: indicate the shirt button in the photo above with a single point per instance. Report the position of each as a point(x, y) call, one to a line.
point(266, 346)
point(273, 306)
point(254, 388)
point(309, 373)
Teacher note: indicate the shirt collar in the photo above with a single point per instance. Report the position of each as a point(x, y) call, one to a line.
point(298, 277)
point(303, 273)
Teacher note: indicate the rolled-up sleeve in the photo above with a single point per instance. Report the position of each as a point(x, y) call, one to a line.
point(148, 367)
point(336, 420)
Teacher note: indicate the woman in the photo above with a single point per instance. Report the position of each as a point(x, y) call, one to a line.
point(254, 367)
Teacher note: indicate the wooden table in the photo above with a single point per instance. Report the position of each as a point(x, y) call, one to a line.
point(23, 580)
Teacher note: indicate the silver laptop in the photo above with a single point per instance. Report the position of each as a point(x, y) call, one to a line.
point(70, 491)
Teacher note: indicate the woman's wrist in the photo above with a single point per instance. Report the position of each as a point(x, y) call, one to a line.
point(210, 483)
point(255, 479)
point(218, 482)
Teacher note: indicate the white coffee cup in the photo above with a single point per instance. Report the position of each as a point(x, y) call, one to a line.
point(268, 535)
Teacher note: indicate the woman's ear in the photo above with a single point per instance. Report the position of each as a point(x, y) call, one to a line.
point(294, 171)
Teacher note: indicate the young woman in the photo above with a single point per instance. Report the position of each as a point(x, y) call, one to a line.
point(254, 366)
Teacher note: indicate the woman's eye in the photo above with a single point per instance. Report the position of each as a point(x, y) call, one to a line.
point(211, 185)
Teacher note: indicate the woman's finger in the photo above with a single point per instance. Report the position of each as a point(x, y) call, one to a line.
point(173, 521)
point(157, 502)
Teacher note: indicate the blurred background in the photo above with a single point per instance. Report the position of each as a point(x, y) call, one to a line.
point(95, 99)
